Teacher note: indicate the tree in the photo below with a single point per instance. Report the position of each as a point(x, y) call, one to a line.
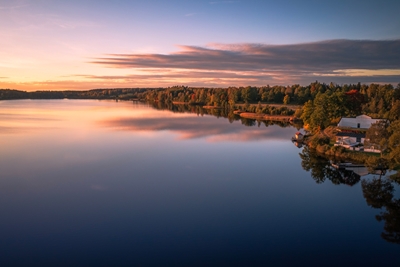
point(320, 117)
point(354, 102)
point(337, 106)
point(308, 110)
point(396, 93)
point(249, 94)
point(394, 113)
point(377, 135)
point(394, 142)
point(286, 99)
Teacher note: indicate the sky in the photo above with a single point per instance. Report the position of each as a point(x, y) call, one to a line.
point(87, 44)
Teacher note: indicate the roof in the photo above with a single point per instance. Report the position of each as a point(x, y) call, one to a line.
point(361, 135)
point(363, 120)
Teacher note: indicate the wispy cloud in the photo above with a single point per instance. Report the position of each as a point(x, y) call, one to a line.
point(258, 63)
point(311, 57)
point(64, 85)
point(223, 65)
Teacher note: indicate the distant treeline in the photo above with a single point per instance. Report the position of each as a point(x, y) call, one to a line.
point(122, 93)
point(322, 103)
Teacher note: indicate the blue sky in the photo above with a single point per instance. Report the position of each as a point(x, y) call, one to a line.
point(53, 44)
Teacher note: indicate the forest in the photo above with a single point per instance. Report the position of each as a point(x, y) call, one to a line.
point(323, 104)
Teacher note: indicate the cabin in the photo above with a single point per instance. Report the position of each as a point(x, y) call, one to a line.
point(352, 131)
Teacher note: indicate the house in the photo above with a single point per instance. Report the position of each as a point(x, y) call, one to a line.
point(362, 122)
point(352, 131)
point(350, 138)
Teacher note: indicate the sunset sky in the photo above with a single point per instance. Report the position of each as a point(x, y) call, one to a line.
point(85, 44)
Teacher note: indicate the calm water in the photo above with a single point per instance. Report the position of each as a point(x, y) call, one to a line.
point(102, 183)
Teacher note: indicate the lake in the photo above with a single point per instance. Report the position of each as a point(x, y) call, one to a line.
point(105, 183)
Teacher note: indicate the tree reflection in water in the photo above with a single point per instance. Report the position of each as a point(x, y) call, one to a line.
point(378, 191)
point(321, 169)
point(225, 112)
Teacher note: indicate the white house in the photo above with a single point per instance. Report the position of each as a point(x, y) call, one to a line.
point(350, 139)
point(352, 131)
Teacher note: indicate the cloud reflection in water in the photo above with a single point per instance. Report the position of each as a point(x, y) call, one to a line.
point(210, 128)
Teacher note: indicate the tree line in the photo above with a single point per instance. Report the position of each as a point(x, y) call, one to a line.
point(323, 104)
point(326, 108)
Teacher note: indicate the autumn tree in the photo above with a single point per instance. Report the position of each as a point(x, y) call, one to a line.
point(286, 99)
point(394, 142)
point(377, 135)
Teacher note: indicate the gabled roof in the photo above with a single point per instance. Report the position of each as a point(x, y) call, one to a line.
point(362, 122)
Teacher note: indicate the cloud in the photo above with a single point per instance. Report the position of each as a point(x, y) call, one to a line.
point(308, 57)
point(294, 62)
point(206, 127)
point(61, 85)
point(224, 65)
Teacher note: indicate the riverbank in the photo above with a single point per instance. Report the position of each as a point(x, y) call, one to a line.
point(323, 144)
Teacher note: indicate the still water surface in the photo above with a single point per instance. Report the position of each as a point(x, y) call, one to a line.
point(103, 183)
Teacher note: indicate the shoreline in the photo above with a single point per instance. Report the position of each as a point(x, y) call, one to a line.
point(321, 144)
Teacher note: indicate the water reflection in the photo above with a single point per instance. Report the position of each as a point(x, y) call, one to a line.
point(321, 169)
point(222, 112)
point(378, 191)
point(101, 183)
point(193, 122)
point(379, 194)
